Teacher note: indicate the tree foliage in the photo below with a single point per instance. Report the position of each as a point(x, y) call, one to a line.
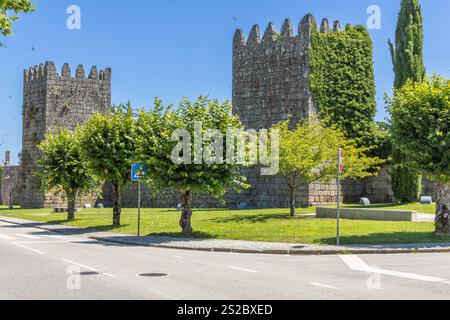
point(108, 145)
point(407, 51)
point(309, 154)
point(407, 59)
point(421, 131)
point(62, 168)
point(158, 140)
point(9, 10)
point(342, 81)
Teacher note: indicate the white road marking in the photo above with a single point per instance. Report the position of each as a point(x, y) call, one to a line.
point(177, 257)
point(44, 242)
point(165, 294)
point(3, 237)
point(109, 275)
point(357, 264)
point(80, 265)
point(88, 268)
point(28, 248)
point(53, 236)
point(243, 269)
point(27, 236)
point(323, 286)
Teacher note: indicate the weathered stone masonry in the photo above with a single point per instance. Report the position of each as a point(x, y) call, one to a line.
point(53, 101)
point(271, 83)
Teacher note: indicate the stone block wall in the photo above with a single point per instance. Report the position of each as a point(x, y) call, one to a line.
point(164, 199)
point(10, 185)
point(53, 101)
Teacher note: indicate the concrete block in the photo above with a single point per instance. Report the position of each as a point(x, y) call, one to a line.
point(367, 214)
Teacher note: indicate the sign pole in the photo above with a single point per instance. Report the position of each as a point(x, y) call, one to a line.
point(340, 166)
point(139, 208)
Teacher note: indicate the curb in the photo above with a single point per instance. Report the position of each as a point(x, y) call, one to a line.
point(293, 252)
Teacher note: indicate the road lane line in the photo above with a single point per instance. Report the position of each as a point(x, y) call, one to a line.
point(43, 242)
point(108, 275)
point(27, 236)
point(28, 248)
point(323, 286)
point(357, 264)
point(165, 294)
point(3, 237)
point(89, 268)
point(243, 269)
point(80, 265)
point(53, 236)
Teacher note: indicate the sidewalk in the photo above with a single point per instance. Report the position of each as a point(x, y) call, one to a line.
point(234, 246)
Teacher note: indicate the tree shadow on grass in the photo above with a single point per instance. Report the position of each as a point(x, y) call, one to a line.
point(260, 218)
point(394, 238)
point(197, 235)
point(106, 228)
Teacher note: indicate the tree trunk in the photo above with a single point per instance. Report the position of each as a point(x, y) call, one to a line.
point(117, 202)
point(71, 203)
point(186, 213)
point(443, 209)
point(292, 201)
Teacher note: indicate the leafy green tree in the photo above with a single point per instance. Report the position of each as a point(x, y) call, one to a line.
point(407, 58)
point(108, 145)
point(421, 130)
point(174, 152)
point(63, 170)
point(308, 154)
point(6, 18)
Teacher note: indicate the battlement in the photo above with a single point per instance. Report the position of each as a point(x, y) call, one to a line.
point(54, 101)
point(271, 36)
point(48, 70)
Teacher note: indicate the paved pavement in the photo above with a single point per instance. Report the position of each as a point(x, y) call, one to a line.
point(235, 246)
point(40, 264)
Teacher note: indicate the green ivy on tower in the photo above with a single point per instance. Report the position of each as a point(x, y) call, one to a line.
point(343, 84)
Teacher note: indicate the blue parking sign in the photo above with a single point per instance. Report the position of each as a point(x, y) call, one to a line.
point(138, 172)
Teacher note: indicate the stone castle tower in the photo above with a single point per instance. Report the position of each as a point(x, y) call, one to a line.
point(271, 83)
point(55, 101)
point(271, 75)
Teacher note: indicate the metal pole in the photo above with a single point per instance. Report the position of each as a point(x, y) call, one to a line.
point(139, 208)
point(338, 238)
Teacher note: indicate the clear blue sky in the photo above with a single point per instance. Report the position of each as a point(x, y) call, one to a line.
point(176, 48)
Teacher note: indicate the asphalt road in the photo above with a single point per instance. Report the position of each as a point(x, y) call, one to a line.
point(37, 264)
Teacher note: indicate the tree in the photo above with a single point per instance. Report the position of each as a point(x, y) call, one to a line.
point(108, 146)
point(407, 59)
point(421, 130)
point(169, 140)
point(6, 18)
point(62, 168)
point(308, 154)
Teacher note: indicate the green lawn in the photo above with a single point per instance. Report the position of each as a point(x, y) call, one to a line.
point(272, 225)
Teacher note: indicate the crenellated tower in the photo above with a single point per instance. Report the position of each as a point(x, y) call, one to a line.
point(56, 101)
point(271, 82)
point(271, 74)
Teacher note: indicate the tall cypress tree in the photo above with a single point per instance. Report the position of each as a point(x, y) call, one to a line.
point(407, 58)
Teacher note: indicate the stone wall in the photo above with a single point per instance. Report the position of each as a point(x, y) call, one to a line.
point(164, 199)
point(10, 185)
point(51, 102)
point(270, 84)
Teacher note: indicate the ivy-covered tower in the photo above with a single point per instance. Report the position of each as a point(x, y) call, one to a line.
point(322, 71)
